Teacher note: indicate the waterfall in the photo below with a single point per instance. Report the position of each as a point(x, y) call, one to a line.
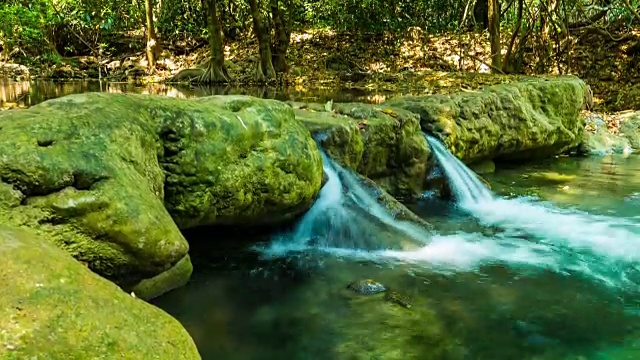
point(348, 221)
point(464, 183)
point(347, 215)
point(572, 230)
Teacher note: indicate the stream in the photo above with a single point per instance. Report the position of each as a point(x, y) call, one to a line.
point(544, 265)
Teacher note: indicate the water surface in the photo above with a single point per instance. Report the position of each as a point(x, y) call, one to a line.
point(491, 285)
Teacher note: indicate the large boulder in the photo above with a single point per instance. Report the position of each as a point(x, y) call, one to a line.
point(523, 120)
point(104, 176)
point(385, 145)
point(53, 307)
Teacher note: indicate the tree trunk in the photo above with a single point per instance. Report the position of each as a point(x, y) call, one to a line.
point(481, 14)
point(494, 34)
point(545, 46)
point(509, 62)
point(153, 47)
point(215, 71)
point(265, 70)
point(282, 28)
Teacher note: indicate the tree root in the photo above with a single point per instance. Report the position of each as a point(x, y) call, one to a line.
point(205, 73)
point(214, 74)
point(186, 75)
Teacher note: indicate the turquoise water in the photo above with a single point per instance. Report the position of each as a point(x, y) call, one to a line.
point(553, 297)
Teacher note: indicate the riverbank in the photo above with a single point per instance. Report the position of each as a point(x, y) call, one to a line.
point(416, 63)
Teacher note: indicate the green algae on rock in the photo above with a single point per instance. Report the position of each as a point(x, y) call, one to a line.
point(53, 307)
point(523, 120)
point(173, 278)
point(94, 172)
point(598, 140)
point(237, 160)
point(630, 130)
point(385, 145)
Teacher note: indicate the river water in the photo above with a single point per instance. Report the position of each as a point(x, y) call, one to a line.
point(543, 267)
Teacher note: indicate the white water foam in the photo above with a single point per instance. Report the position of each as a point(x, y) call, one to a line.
point(338, 218)
point(599, 246)
point(533, 234)
point(329, 224)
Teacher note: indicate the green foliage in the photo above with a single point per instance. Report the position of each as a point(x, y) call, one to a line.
point(50, 28)
point(379, 15)
point(180, 17)
point(24, 27)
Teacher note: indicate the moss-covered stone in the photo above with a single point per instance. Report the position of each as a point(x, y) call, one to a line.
point(53, 307)
point(599, 140)
point(383, 144)
point(630, 130)
point(94, 172)
point(237, 160)
point(173, 278)
point(522, 120)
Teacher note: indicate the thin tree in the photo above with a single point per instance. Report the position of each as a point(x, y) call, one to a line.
point(153, 46)
point(282, 29)
point(494, 35)
point(264, 70)
point(214, 70)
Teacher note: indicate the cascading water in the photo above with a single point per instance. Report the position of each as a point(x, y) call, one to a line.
point(601, 246)
point(465, 185)
point(347, 220)
point(346, 215)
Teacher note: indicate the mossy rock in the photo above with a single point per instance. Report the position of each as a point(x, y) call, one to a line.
point(104, 176)
point(630, 130)
point(173, 278)
point(382, 327)
point(397, 210)
point(383, 144)
point(523, 120)
point(53, 307)
point(598, 140)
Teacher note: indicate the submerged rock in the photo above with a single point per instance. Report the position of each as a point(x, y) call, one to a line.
point(53, 307)
point(380, 327)
point(367, 287)
point(397, 298)
point(372, 287)
point(96, 174)
point(383, 144)
point(524, 120)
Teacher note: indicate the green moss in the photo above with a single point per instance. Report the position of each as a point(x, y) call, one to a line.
point(233, 160)
point(379, 329)
point(524, 120)
point(64, 311)
point(104, 176)
point(386, 145)
point(630, 129)
point(599, 140)
point(171, 279)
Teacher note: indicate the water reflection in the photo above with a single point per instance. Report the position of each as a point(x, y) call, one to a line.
point(29, 93)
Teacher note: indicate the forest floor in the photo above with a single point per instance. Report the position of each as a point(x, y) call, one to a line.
point(415, 63)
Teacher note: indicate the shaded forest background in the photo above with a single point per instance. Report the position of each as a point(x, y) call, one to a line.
point(382, 44)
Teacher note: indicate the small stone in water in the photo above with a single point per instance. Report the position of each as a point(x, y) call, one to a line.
point(398, 299)
point(367, 287)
